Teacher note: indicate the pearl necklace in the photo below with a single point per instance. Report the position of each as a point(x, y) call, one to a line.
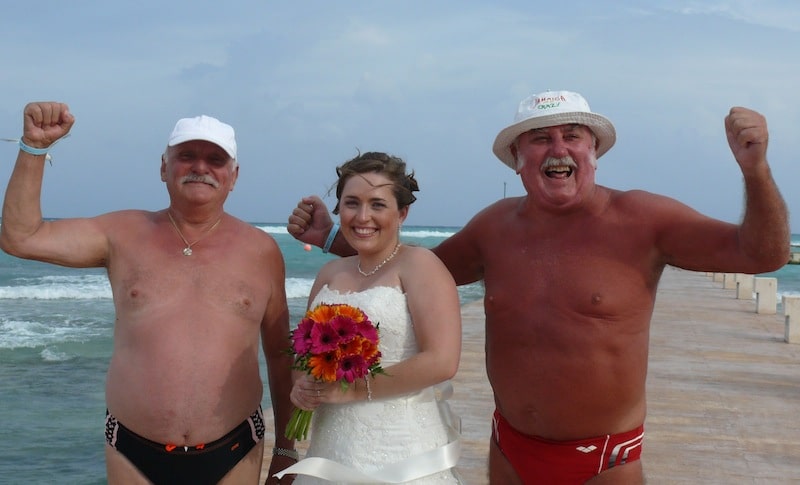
point(187, 251)
point(376, 268)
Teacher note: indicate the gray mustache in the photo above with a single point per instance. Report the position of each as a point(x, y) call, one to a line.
point(206, 179)
point(559, 162)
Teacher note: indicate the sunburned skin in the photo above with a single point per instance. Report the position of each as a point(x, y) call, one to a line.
point(571, 268)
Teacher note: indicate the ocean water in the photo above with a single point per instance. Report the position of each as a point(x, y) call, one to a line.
point(55, 344)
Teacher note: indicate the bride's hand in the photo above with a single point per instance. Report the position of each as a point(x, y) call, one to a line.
point(335, 393)
point(307, 393)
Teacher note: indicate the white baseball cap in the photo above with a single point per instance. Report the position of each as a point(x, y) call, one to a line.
point(553, 108)
point(204, 128)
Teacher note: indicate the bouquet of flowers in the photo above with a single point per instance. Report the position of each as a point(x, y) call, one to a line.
point(333, 342)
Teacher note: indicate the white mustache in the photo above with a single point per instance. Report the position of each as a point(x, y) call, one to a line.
point(206, 179)
point(559, 162)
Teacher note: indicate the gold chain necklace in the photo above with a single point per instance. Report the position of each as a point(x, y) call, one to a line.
point(187, 251)
point(376, 268)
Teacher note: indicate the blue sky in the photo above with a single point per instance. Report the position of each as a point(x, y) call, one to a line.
point(306, 84)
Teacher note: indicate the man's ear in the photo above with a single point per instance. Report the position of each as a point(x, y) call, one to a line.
point(517, 164)
point(234, 177)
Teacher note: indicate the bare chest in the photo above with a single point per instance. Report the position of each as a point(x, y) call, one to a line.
point(193, 285)
point(560, 276)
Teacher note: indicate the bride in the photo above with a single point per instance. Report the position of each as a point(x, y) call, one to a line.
point(395, 427)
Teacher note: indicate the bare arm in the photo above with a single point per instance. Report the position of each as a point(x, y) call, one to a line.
point(275, 342)
point(764, 232)
point(461, 252)
point(436, 315)
point(69, 242)
point(760, 243)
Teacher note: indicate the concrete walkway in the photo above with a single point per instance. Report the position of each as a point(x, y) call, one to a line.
point(723, 391)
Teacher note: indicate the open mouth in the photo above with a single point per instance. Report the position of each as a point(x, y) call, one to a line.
point(560, 172)
point(364, 231)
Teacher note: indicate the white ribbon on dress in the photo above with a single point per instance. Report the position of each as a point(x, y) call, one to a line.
point(411, 468)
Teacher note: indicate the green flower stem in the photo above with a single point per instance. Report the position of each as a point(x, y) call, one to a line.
point(297, 428)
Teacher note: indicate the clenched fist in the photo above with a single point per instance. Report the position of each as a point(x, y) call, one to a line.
point(45, 122)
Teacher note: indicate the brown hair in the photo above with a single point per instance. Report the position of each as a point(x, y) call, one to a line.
point(393, 168)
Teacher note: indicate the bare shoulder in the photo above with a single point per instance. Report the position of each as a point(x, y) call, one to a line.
point(426, 282)
point(253, 234)
point(502, 207)
point(330, 271)
point(246, 226)
point(119, 223)
point(634, 195)
point(252, 247)
point(496, 214)
point(423, 262)
point(127, 216)
point(334, 266)
point(648, 203)
point(419, 255)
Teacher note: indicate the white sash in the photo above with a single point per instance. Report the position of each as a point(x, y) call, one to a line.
point(411, 468)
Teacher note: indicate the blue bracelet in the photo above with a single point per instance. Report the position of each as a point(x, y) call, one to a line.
point(331, 237)
point(33, 151)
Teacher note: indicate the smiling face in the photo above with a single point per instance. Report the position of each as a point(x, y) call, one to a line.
point(369, 215)
point(198, 171)
point(557, 165)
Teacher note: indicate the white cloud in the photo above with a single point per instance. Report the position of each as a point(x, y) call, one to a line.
point(306, 85)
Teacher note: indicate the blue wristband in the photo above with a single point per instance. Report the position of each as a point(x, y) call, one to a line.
point(33, 151)
point(331, 237)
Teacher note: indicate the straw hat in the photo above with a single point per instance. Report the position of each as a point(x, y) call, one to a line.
point(553, 108)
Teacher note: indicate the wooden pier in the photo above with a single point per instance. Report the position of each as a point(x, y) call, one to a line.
point(723, 391)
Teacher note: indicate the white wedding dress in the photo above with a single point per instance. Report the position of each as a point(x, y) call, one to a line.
point(407, 439)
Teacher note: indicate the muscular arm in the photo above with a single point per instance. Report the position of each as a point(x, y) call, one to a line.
point(23, 233)
point(760, 243)
point(764, 232)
